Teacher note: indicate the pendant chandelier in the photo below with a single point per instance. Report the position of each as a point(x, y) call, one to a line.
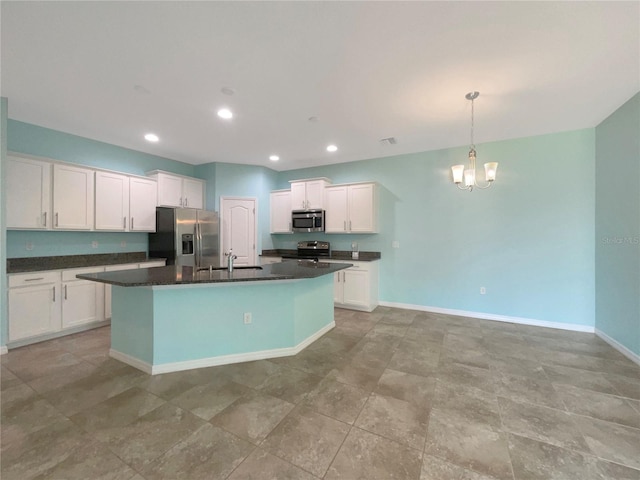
point(468, 175)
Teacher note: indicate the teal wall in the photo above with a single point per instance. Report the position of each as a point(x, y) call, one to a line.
point(44, 142)
point(528, 240)
point(232, 180)
point(3, 233)
point(617, 226)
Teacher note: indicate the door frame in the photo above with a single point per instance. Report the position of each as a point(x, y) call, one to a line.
point(255, 226)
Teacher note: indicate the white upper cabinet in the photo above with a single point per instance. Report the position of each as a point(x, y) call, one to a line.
point(112, 201)
point(337, 211)
point(124, 203)
point(169, 190)
point(351, 208)
point(142, 204)
point(193, 193)
point(178, 191)
point(280, 210)
point(363, 208)
point(28, 193)
point(308, 194)
point(72, 197)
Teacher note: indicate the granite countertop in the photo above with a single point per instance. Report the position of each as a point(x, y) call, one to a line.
point(335, 255)
point(39, 264)
point(174, 275)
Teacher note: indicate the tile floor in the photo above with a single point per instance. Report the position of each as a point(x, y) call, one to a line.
point(393, 394)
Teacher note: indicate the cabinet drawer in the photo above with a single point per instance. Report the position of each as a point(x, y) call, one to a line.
point(70, 275)
point(34, 278)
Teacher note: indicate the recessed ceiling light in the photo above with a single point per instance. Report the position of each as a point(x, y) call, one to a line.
point(225, 113)
point(274, 158)
point(151, 137)
point(313, 119)
point(227, 91)
point(332, 148)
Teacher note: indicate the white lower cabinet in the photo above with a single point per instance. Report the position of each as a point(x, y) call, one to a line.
point(82, 300)
point(356, 287)
point(34, 304)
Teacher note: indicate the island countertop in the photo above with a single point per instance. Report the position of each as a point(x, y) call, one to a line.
point(176, 275)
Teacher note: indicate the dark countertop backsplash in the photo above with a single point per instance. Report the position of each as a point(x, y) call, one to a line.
point(335, 255)
point(34, 264)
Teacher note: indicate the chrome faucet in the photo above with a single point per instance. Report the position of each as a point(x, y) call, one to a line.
point(230, 258)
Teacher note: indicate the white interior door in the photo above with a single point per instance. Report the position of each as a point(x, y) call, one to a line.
point(238, 217)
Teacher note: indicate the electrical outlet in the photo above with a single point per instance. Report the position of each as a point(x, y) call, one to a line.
point(29, 246)
point(94, 244)
point(247, 318)
point(395, 244)
point(483, 290)
point(123, 243)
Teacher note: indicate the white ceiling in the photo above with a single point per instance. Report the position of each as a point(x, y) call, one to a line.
point(366, 70)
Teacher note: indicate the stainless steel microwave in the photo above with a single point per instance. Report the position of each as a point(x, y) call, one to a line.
point(307, 220)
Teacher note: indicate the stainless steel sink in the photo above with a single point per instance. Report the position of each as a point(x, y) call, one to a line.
point(235, 267)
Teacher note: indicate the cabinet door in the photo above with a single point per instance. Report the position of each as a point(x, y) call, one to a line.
point(280, 210)
point(356, 287)
point(80, 303)
point(169, 190)
point(28, 193)
point(336, 214)
point(298, 196)
point(33, 311)
point(362, 215)
point(193, 193)
point(142, 205)
point(112, 201)
point(315, 194)
point(338, 287)
point(72, 197)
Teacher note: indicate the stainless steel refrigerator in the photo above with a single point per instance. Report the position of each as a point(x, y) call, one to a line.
point(186, 237)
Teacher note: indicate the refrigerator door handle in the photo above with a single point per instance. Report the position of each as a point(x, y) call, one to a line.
point(198, 246)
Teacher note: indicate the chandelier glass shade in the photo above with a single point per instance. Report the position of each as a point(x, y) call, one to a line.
point(466, 178)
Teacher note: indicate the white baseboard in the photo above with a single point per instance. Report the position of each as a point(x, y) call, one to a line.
point(133, 361)
point(4, 350)
point(221, 359)
point(491, 316)
point(634, 357)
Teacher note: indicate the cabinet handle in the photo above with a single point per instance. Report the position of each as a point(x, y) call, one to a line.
point(124, 223)
point(131, 223)
point(344, 226)
point(56, 219)
point(65, 292)
point(344, 277)
point(338, 277)
point(33, 279)
point(45, 218)
point(186, 202)
point(54, 293)
point(349, 225)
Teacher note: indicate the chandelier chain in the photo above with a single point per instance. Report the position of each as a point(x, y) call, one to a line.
point(473, 145)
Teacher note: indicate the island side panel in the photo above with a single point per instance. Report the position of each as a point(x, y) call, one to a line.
point(313, 308)
point(196, 323)
point(132, 325)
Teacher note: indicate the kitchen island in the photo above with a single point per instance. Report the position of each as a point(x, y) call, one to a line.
point(167, 319)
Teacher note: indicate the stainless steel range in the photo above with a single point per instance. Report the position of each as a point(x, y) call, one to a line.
point(313, 249)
